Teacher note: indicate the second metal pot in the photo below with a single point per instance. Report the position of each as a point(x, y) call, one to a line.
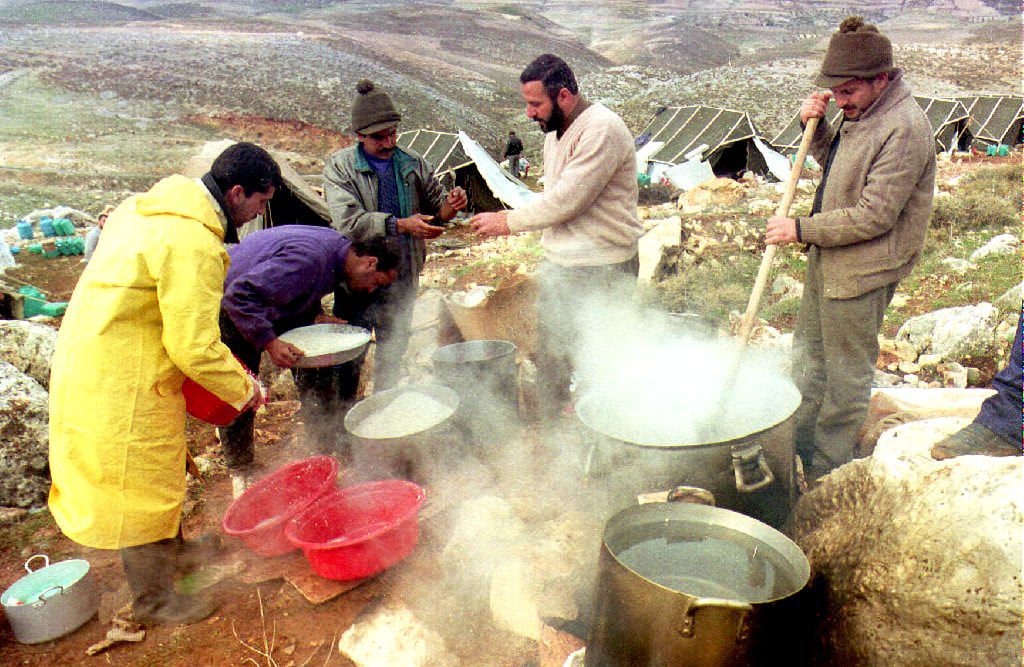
point(50, 601)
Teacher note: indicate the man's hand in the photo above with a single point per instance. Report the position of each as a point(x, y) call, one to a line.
point(419, 225)
point(324, 318)
point(814, 106)
point(284, 355)
point(780, 231)
point(490, 225)
point(456, 199)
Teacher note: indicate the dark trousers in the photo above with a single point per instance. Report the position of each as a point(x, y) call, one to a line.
point(567, 294)
point(1001, 413)
point(835, 350)
point(236, 439)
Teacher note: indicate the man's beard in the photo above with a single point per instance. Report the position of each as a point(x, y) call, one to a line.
point(555, 122)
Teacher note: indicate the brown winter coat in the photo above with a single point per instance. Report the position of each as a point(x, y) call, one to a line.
point(878, 195)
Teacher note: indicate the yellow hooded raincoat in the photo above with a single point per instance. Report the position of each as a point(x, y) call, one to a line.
point(142, 317)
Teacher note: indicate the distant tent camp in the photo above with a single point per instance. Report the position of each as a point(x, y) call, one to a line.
point(722, 137)
point(453, 167)
point(948, 118)
point(296, 203)
point(995, 119)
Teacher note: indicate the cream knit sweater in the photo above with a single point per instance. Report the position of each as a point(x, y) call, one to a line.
point(588, 209)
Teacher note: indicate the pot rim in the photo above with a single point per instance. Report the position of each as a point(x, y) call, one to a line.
point(37, 599)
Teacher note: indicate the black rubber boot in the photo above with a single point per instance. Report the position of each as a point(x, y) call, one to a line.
point(973, 439)
point(150, 570)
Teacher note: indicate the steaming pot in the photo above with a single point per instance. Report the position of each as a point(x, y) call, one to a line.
point(744, 455)
point(686, 585)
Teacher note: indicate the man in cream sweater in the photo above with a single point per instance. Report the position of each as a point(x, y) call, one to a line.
point(587, 215)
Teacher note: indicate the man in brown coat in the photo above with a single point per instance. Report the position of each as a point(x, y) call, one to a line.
point(865, 232)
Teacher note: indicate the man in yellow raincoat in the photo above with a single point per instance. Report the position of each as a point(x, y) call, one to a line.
point(143, 317)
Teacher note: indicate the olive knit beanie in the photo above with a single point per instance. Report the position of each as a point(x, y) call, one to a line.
point(857, 51)
point(372, 110)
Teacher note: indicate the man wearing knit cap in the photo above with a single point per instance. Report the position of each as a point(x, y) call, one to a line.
point(587, 215)
point(865, 232)
point(376, 189)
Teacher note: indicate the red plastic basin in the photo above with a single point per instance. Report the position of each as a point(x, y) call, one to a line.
point(259, 515)
point(360, 530)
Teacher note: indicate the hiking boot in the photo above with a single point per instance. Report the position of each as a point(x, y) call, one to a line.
point(973, 439)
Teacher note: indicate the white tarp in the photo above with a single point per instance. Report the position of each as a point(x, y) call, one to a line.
point(508, 190)
point(778, 164)
point(6, 257)
point(644, 153)
point(685, 175)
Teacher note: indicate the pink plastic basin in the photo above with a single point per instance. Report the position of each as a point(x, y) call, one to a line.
point(259, 515)
point(360, 530)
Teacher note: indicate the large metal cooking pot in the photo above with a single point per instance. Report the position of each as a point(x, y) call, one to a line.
point(690, 585)
point(485, 375)
point(50, 601)
point(741, 448)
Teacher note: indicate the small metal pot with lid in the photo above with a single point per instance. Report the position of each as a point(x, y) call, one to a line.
point(51, 601)
point(685, 585)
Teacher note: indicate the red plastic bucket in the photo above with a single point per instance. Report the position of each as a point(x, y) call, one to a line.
point(259, 515)
point(205, 406)
point(360, 530)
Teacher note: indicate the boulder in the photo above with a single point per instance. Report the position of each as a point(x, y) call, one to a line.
point(28, 346)
point(24, 439)
point(1011, 298)
point(717, 192)
point(1004, 244)
point(957, 265)
point(659, 249)
point(916, 561)
point(390, 634)
point(788, 287)
point(952, 333)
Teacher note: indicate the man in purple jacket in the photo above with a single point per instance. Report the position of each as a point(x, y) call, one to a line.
point(276, 281)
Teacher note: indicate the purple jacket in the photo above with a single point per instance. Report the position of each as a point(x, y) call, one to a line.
point(278, 276)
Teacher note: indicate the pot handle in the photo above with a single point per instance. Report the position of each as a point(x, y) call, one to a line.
point(686, 629)
point(748, 461)
point(42, 596)
point(28, 563)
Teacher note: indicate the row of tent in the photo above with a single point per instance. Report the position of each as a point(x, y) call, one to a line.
point(729, 142)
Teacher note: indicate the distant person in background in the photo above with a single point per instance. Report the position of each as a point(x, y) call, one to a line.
point(375, 189)
point(142, 318)
point(587, 213)
point(865, 233)
point(276, 281)
point(93, 237)
point(513, 152)
point(996, 431)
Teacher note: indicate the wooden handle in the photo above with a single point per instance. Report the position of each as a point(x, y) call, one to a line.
point(747, 325)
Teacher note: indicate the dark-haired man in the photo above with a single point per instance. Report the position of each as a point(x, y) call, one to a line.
point(513, 151)
point(587, 213)
point(865, 232)
point(277, 279)
point(142, 318)
point(376, 189)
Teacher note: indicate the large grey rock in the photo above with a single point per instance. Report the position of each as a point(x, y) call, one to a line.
point(917, 561)
point(958, 265)
point(659, 249)
point(24, 421)
point(1011, 298)
point(952, 333)
point(28, 346)
point(1004, 244)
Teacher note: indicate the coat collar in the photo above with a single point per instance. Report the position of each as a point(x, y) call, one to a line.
point(895, 92)
point(402, 160)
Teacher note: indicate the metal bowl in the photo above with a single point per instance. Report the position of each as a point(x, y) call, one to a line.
point(356, 419)
point(349, 348)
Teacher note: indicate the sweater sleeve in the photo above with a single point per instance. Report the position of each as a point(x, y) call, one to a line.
point(890, 183)
point(594, 159)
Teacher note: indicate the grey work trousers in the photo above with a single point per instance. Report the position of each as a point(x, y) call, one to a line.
point(835, 351)
point(566, 301)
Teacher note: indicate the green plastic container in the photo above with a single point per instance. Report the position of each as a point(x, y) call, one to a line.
point(1003, 150)
point(51, 254)
point(54, 308)
point(36, 248)
point(991, 150)
point(34, 300)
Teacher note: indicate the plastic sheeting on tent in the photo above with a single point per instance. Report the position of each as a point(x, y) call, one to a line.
point(508, 190)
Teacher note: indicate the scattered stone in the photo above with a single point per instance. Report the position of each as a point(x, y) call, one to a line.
point(908, 367)
point(1011, 298)
point(787, 286)
point(918, 561)
point(28, 346)
point(926, 360)
point(953, 375)
point(24, 447)
point(910, 378)
point(11, 515)
point(952, 333)
point(390, 635)
point(904, 351)
point(899, 300)
point(659, 249)
point(717, 192)
point(958, 265)
point(1004, 244)
point(883, 379)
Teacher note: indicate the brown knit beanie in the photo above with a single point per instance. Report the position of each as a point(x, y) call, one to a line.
point(857, 51)
point(372, 110)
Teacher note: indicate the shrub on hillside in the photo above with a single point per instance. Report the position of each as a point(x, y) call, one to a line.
point(652, 195)
point(975, 210)
point(1003, 181)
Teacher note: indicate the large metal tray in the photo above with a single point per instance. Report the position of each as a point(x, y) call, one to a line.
point(344, 353)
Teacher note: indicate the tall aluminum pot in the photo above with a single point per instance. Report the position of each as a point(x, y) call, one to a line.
point(715, 588)
point(742, 450)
